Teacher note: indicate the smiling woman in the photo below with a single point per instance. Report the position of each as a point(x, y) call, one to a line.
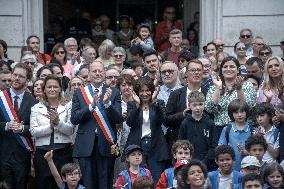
point(227, 87)
point(52, 130)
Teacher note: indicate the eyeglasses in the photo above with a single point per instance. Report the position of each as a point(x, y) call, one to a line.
point(31, 63)
point(76, 84)
point(164, 72)
point(73, 174)
point(118, 55)
point(195, 70)
point(241, 48)
point(264, 53)
point(182, 60)
point(112, 77)
point(59, 52)
point(207, 66)
point(245, 36)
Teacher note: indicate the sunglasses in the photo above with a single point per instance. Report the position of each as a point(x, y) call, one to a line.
point(241, 48)
point(245, 36)
point(169, 12)
point(164, 72)
point(31, 63)
point(264, 53)
point(97, 24)
point(221, 45)
point(59, 52)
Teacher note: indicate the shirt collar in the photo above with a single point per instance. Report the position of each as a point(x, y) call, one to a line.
point(13, 94)
point(235, 129)
point(100, 88)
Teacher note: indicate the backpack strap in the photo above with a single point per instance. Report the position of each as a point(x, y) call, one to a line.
point(275, 134)
point(227, 132)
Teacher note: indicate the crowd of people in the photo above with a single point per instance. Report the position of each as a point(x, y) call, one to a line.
point(142, 109)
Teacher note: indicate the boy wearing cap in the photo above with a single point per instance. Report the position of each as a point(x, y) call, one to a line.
point(181, 150)
point(126, 178)
point(250, 164)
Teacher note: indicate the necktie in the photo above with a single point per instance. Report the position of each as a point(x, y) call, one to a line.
point(16, 105)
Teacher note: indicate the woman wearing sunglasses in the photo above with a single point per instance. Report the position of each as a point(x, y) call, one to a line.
point(58, 55)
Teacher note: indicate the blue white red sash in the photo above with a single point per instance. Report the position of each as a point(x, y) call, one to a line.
point(10, 115)
point(99, 114)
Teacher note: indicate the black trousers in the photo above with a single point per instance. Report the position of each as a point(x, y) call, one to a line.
point(43, 176)
point(15, 173)
point(97, 170)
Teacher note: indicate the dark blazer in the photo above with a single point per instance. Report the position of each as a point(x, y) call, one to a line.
point(156, 116)
point(81, 115)
point(8, 142)
point(174, 110)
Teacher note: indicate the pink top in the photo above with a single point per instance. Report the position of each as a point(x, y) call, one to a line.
point(262, 98)
point(68, 69)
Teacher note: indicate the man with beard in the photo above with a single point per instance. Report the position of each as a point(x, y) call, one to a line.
point(33, 41)
point(151, 63)
point(177, 104)
point(15, 109)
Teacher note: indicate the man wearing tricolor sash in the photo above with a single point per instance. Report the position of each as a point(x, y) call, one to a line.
point(96, 109)
point(15, 140)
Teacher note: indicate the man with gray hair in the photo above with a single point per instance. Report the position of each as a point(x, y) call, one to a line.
point(246, 37)
point(89, 55)
point(172, 53)
point(73, 55)
point(257, 43)
point(169, 74)
point(219, 43)
point(31, 61)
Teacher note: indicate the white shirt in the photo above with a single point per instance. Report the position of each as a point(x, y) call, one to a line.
point(269, 137)
point(20, 99)
point(146, 130)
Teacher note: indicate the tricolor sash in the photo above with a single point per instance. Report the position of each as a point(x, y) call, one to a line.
point(99, 114)
point(10, 115)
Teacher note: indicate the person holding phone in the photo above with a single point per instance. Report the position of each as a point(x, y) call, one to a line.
point(228, 85)
point(51, 129)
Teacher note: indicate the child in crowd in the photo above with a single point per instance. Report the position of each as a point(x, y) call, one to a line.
point(252, 181)
point(199, 129)
point(194, 175)
point(144, 40)
point(143, 182)
point(126, 178)
point(224, 176)
point(264, 112)
point(181, 150)
point(250, 164)
point(236, 133)
point(256, 146)
point(70, 173)
point(273, 176)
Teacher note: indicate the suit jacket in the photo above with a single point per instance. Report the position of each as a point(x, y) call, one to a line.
point(8, 142)
point(174, 110)
point(86, 133)
point(156, 117)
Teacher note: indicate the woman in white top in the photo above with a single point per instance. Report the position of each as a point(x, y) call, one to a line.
point(51, 129)
point(145, 117)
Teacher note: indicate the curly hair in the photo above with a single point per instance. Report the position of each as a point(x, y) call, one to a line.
point(254, 140)
point(184, 144)
point(224, 149)
point(185, 169)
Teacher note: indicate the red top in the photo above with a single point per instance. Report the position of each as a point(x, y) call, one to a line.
point(161, 29)
point(41, 60)
point(163, 182)
point(119, 183)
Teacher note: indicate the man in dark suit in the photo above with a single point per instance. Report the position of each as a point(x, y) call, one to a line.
point(91, 148)
point(177, 104)
point(16, 158)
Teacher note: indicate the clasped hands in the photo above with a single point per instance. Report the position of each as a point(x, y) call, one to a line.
point(106, 98)
point(15, 126)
